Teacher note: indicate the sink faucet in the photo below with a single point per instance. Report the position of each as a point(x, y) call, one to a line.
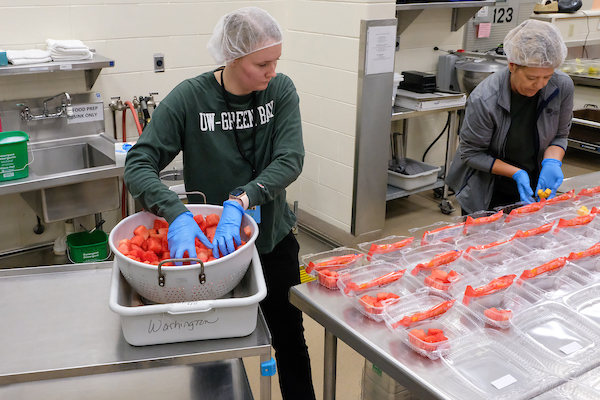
point(65, 109)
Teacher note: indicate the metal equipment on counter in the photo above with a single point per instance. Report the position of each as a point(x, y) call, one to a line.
point(465, 70)
point(585, 129)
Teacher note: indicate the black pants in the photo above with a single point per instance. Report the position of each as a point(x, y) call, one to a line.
point(282, 271)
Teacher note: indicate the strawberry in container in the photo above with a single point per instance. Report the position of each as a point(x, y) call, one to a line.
point(425, 254)
point(527, 211)
point(328, 265)
point(375, 275)
point(445, 269)
point(493, 255)
point(428, 322)
point(560, 202)
point(556, 278)
point(495, 301)
point(444, 234)
point(583, 225)
point(371, 302)
point(387, 249)
point(588, 259)
point(588, 192)
point(484, 223)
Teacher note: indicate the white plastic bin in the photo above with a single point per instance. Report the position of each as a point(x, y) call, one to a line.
point(233, 315)
point(410, 182)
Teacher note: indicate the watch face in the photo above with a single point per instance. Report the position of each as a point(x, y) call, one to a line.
point(236, 192)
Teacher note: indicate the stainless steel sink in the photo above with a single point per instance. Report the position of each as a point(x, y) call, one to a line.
point(73, 157)
point(72, 170)
point(70, 178)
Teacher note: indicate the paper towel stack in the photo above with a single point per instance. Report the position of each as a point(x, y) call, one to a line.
point(68, 50)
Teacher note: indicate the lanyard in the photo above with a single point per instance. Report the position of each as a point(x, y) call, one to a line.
point(235, 132)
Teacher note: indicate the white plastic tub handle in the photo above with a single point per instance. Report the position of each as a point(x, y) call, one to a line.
point(190, 308)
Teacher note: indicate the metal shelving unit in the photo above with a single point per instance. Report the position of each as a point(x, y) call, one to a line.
point(91, 68)
point(462, 11)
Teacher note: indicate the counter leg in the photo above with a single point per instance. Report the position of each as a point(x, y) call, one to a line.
point(450, 146)
point(330, 360)
point(265, 381)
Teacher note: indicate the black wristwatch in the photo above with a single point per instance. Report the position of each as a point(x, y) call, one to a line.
point(236, 194)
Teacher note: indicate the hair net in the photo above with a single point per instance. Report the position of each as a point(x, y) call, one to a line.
point(242, 32)
point(535, 44)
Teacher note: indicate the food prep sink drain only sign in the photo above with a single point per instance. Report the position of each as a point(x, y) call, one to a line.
point(86, 113)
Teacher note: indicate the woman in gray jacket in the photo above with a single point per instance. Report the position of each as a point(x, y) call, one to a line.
point(516, 124)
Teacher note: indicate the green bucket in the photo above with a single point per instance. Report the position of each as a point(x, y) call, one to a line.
point(13, 155)
point(86, 247)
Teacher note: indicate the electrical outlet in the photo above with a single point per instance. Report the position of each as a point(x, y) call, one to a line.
point(159, 62)
point(571, 29)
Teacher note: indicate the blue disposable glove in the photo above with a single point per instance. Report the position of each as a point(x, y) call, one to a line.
point(182, 235)
point(524, 186)
point(551, 176)
point(228, 229)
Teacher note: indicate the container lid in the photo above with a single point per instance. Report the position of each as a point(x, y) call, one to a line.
point(13, 137)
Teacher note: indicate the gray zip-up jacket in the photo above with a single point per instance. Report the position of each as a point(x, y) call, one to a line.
point(485, 128)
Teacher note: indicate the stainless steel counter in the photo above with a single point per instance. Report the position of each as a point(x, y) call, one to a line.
point(581, 181)
point(371, 339)
point(55, 324)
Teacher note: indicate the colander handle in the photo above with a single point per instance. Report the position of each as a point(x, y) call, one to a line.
point(161, 276)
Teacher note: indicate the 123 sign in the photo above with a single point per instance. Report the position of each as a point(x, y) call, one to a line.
point(503, 15)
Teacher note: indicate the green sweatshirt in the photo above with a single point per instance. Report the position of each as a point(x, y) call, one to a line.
point(194, 118)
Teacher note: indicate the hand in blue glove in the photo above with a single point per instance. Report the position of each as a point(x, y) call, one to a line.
point(524, 186)
point(228, 229)
point(182, 235)
point(551, 176)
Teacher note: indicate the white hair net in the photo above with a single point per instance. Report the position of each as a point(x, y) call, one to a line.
point(535, 44)
point(242, 32)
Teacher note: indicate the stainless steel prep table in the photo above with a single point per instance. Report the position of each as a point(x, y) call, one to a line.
point(371, 339)
point(56, 324)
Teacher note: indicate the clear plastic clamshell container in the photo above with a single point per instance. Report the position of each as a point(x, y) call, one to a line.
point(375, 275)
point(565, 342)
point(489, 365)
point(585, 257)
point(423, 337)
point(424, 309)
point(509, 230)
point(582, 226)
point(328, 265)
point(443, 276)
point(498, 307)
point(586, 302)
point(564, 212)
point(371, 302)
point(516, 213)
point(424, 254)
point(588, 201)
point(590, 379)
point(528, 261)
point(440, 232)
point(387, 249)
point(560, 201)
point(549, 241)
point(483, 221)
point(494, 255)
point(481, 239)
point(559, 283)
point(570, 390)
